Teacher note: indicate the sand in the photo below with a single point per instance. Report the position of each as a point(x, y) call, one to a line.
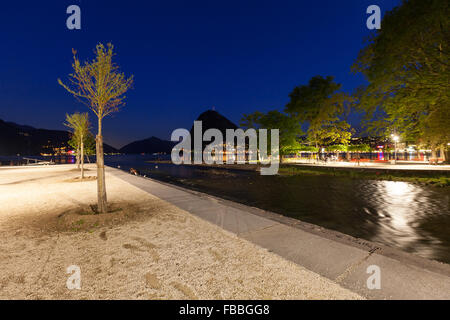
point(145, 249)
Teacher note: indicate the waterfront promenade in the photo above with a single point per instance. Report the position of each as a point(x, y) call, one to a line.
point(146, 248)
point(401, 165)
point(336, 256)
point(166, 242)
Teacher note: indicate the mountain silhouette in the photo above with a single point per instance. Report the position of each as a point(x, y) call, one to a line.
point(26, 140)
point(150, 145)
point(211, 119)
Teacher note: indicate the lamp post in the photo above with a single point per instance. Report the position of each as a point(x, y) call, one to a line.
point(395, 138)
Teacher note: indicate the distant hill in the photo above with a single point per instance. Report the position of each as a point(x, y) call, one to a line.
point(211, 119)
point(26, 140)
point(150, 145)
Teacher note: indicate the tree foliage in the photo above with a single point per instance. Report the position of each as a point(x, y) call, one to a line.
point(79, 123)
point(359, 148)
point(317, 104)
point(98, 84)
point(407, 65)
point(289, 128)
point(337, 148)
point(89, 143)
point(323, 108)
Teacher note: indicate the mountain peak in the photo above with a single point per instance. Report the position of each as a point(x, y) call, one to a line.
point(211, 119)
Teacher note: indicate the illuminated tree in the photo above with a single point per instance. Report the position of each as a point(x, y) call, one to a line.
point(358, 148)
point(100, 86)
point(323, 108)
point(338, 148)
point(289, 128)
point(406, 63)
point(79, 123)
point(88, 142)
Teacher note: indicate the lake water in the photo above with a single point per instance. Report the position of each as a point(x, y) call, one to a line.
point(410, 217)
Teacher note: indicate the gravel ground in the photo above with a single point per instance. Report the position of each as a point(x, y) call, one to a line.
point(145, 248)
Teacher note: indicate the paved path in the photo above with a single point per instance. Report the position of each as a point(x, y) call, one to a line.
point(331, 254)
point(401, 165)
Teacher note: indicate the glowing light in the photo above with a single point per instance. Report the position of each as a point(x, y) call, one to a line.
point(397, 188)
point(402, 199)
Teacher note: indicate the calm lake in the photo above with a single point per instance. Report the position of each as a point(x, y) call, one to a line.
point(410, 217)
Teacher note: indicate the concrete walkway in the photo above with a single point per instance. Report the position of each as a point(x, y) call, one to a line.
point(401, 165)
point(336, 256)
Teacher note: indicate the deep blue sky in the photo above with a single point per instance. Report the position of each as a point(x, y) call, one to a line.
point(186, 56)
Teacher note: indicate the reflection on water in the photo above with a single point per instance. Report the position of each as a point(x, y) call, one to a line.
point(409, 217)
point(399, 214)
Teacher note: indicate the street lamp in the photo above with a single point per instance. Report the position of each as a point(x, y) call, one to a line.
point(395, 138)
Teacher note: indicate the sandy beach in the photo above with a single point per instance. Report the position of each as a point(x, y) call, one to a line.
point(145, 249)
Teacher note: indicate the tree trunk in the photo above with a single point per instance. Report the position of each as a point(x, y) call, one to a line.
point(442, 152)
point(82, 158)
point(433, 153)
point(78, 157)
point(318, 151)
point(101, 188)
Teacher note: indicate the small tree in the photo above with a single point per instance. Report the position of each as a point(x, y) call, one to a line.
point(358, 148)
point(100, 86)
point(338, 148)
point(79, 123)
point(88, 142)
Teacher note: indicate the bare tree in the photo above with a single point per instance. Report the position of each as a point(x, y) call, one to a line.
point(79, 123)
point(100, 86)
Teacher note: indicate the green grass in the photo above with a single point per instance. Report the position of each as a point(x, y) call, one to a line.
point(419, 177)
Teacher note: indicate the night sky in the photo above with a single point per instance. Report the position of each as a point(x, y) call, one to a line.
point(186, 56)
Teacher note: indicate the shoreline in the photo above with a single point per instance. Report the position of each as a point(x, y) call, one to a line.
point(298, 223)
point(127, 246)
point(435, 177)
point(353, 253)
point(439, 178)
